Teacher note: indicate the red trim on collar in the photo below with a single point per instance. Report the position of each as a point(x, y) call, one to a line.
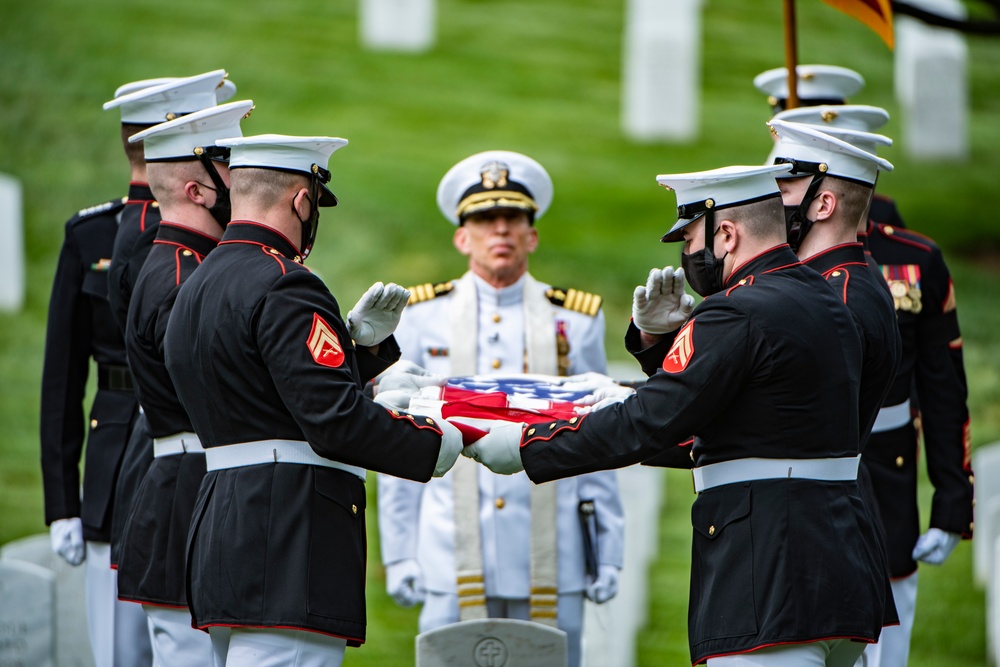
point(736, 269)
point(190, 230)
point(268, 227)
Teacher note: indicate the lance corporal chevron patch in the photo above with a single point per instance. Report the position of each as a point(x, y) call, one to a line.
point(681, 351)
point(324, 346)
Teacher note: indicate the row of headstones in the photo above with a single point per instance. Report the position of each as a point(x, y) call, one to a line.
point(43, 619)
point(42, 608)
point(660, 103)
point(986, 544)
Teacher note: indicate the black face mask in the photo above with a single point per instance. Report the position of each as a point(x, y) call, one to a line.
point(309, 226)
point(702, 269)
point(222, 209)
point(797, 225)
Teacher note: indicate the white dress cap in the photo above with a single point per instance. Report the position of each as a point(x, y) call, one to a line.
point(722, 188)
point(308, 155)
point(144, 105)
point(850, 116)
point(189, 136)
point(821, 84)
point(494, 179)
point(824, 153)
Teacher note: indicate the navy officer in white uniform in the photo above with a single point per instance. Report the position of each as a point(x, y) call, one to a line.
point(498, 319)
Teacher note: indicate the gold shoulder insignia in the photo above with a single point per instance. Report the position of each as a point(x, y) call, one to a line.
point(571, 299)
point(428, 291)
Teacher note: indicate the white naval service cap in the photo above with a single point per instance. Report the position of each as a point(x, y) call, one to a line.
point(195, 134)
point(308, 155)
point(726, 187)
point(817, 84)
point(826, 116)
point(156, 100)
point(809, 151)
point(494, 179)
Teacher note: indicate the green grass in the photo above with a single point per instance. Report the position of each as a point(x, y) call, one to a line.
point(539, 76)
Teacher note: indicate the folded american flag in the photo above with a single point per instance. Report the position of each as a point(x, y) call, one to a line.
point(473, 402)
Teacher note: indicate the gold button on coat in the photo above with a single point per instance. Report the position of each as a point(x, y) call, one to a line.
point(93, 423)
point(496, 363)
point(711, 530)
point(496, 317)
point(500, 503)
point(899, 461)
point(354, 509)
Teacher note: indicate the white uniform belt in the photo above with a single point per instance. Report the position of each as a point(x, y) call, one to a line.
point(271, 451)
point(178, 443)
point(892, 417)
point(748, 470)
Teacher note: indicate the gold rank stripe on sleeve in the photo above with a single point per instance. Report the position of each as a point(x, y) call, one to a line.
point(428, 291)
point(572, 299)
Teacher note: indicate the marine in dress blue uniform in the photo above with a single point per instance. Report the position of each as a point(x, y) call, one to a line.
point(784, 553)
point(892, 459)
point(81, 326)
point(483, 319)
point(182, 159)
point(267, 370)
point(827, 191)
point(157, 101)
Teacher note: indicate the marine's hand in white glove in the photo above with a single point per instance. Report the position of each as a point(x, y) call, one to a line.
point(603, 397)
point(404, 582)
point(67, 540)
point(500, 449)
point(935, 546)
point(399, 383)
point(376, 314)
point(661, 305)
point(589, 381)
point(451, 447)
point(605, 586)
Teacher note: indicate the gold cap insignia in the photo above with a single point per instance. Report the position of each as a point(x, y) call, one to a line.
point(494, 175)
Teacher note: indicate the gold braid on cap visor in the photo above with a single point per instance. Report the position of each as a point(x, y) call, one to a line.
point(481, 201)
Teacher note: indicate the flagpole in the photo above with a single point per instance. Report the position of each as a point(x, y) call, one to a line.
point(791, 55)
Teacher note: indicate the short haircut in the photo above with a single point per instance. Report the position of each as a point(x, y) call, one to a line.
point(852, 198)
point(762, 220)
point(134, 152)
point(167, 179)
point(264, 188)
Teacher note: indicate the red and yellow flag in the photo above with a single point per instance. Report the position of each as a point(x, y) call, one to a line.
point(876, 14)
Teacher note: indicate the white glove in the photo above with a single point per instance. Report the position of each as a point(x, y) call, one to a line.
point(500, 449)
point(404, 582)
point(605, 586)
point(67, 540)
point(394, 399)
point(376, 314)
point(586, 382)
point(451, 447)
point(935, 546)
point(661, 305)
point(605, 396)
point(402, 366)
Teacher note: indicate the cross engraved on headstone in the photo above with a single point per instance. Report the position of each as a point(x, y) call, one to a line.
point(490, 652)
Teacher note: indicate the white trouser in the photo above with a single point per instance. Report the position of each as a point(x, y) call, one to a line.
point(272, 647)
point(119, 635)
point(442, 609)
point(175, 642)
point(893, 648)
point(832, 653)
